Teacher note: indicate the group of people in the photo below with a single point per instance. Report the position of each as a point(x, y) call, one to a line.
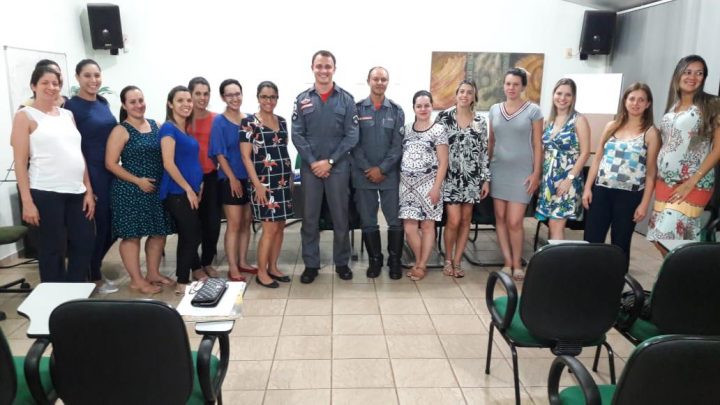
point(86, 180)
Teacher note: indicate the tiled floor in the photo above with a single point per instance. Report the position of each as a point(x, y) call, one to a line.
point(365, 341)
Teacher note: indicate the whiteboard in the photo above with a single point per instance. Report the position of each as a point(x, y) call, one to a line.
point(20, 63)
point(597, 93)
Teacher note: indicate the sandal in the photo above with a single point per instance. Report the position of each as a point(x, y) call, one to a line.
point(458, 272)
point(210, 271)
point(149, 288)
point(161, 281)
point(448, 269)
point(417, 274)
point(518, 274)
point(199, 275)
point(507, 270)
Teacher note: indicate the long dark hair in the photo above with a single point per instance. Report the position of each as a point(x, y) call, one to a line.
point(79, 67)
point(170, 98)
point(622, 117)
point(701, 99)
point(123, 112)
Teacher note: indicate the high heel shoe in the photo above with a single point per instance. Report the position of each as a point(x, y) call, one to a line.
point(274, 283)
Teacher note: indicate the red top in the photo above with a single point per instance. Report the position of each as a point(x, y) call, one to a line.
point(200, 130)
point(324, 96)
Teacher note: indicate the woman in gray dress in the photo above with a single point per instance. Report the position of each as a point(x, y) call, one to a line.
point(516, 166)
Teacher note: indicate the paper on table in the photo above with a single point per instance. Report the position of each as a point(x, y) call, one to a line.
point(233, 295)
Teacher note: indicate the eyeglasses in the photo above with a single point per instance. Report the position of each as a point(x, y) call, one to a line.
point(268, 98)
point(698, 73)
point(233, 95)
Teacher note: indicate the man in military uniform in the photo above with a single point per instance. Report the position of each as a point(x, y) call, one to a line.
point(324, 130)
point(376, 171)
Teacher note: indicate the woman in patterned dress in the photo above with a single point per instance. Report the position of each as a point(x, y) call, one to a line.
point(566, 142)
point(263, 143)
point(422, 171)
point(136, 207)
point(690, 133)
point(621, 179)
point(468, 177)
point(515, 145)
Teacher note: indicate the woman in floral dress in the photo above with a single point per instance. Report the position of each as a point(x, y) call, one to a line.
point(566, 142)
point(468, 178)
point(263, 143)
point(422, 171)
point(690, 133)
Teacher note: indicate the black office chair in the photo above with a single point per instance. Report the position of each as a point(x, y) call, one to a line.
point(14, 388)
point(684, 300)
point(570, 299)
point(712, 227)
point(132, 352)
point(8, 235)
point(673, 369)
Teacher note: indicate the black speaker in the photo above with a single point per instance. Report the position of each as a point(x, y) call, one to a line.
point(597, 33)
point(105, 28)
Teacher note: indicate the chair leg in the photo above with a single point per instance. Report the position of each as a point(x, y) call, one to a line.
point(516, 374)
point(537, 235)
point(489, 350)
point(597, 358)
point(611, 362)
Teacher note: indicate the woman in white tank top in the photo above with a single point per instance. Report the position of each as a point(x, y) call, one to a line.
point(53, 182)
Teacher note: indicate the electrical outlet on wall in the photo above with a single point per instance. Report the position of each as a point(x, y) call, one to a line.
point(568, 53)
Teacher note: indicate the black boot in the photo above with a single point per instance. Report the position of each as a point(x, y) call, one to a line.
point(374, 249)
point(395, 247)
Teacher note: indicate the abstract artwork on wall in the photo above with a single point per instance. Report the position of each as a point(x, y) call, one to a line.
point(486, 69)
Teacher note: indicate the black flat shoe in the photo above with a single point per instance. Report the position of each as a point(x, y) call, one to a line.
point(308, 275)
point(344, 272)
point(284, 278)
point(274, 284)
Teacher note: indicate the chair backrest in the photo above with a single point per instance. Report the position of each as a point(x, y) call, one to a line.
point(686, 295)
point(8, 379)
point(572, 292)
point(672, 369)
point(120, 352)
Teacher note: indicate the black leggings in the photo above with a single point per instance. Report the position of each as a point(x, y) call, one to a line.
point(209, 212)
point(187, 224)
point(63, 224)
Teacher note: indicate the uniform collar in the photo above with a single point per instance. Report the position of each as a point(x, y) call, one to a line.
point(334, 89)
point(367, 102)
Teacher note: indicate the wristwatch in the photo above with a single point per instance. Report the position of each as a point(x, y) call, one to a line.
point(332, 162)
point(571, 176)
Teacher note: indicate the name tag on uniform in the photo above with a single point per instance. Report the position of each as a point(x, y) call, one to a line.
point(365, 118)
point(304, 106)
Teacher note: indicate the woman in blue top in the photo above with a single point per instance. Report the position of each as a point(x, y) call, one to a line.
point(181, 184)
point(225, 148)
point(95, 122)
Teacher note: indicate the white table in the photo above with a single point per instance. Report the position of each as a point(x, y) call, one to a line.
point(671, 244)
point(44, 298)
point(229, 307)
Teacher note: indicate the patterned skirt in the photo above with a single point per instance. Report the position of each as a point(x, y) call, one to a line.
point(414, 201)
point(677, 220)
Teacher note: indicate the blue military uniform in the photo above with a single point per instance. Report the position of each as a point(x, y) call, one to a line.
point(325, 130)
point(380, 145)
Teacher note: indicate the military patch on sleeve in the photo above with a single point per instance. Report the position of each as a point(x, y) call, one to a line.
point(355, 120)
point(295, 113)
point(402, 130)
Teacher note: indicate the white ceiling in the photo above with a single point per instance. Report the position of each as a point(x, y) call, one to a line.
point(614, 5)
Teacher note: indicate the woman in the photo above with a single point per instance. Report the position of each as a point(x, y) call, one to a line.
point(55, 190)
point(209, 210)
point(264, 139)
point(225, 149)
point(690, 133)
point(422, 171)
point(515, 164)
point(468, 177)
point(136, 207)
point(60, 100)
point(621, 179)
point(181, 184)
point(566, 142)
point(95, 121)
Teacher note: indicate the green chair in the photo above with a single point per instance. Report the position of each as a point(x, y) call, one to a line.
point(671, 369)
point(16, 381)
point(134, 352)
point(684, 299)
point(8, 235)
point(569, 301)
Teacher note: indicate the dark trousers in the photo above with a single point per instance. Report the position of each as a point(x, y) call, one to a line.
point(187, 224)
point(612, 209)
point(101, 180)
point(366, 201)
point(63, 224)
point(209, 212)
point(336, 189)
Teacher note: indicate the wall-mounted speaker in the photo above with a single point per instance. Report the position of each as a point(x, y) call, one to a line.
point(105, 28)
point(597, 33)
